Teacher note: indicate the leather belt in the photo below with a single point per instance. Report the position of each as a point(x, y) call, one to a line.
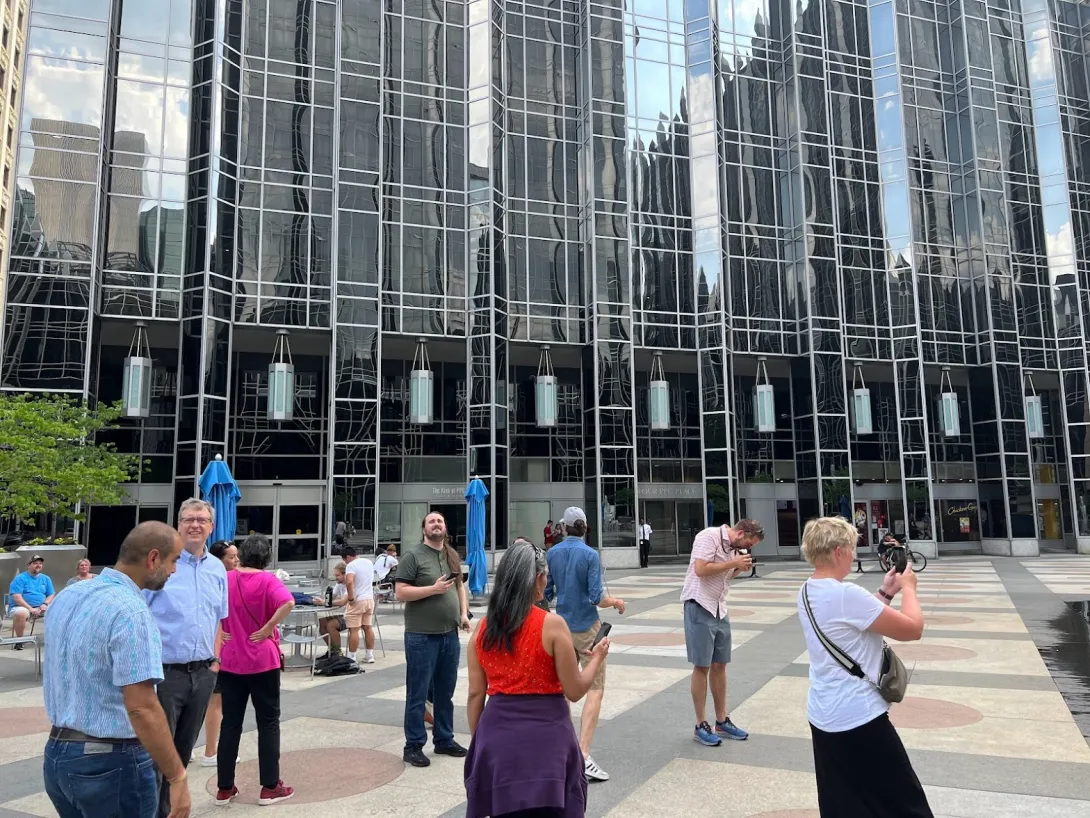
point(68, 734)
point(189, 667)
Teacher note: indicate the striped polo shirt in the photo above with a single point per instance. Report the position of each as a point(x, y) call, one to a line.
point(101, 638)
point(710, 593)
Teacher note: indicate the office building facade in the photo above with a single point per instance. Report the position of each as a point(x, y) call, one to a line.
point(13, 23)
point(662, 259)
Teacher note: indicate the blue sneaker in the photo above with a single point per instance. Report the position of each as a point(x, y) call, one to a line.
point(704, 735)
point(728, 729)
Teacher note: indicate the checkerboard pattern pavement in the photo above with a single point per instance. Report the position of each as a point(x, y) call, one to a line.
point(988, 731)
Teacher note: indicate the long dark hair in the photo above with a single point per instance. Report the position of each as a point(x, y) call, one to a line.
point(512, 595)
point(453, 560)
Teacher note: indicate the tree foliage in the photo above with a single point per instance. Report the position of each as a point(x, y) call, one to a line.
point(49, 462)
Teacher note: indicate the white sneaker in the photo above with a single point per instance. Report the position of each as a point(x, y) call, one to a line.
point(592, 771)
point(369, 658)
point(208, 761)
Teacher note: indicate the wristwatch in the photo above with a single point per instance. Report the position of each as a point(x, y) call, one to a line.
point(885, 595)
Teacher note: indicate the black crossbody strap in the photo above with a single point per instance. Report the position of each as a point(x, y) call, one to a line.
point(846, 661)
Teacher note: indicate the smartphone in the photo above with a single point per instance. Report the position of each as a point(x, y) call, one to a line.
point(603, 632)
point(449, 577)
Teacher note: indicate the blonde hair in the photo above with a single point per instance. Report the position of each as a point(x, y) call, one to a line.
point(340, 568)
point(822, 536)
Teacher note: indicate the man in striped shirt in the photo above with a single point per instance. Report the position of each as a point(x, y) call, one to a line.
point(719, 553)
point(103, 663)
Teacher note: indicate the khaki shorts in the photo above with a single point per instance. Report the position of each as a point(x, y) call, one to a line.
point(583, 640)
point(360, 612)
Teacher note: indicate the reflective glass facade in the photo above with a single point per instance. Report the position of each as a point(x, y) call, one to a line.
point(814, 197)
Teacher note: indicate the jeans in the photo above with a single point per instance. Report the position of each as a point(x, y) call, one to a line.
point(264, 690)
point(431, 664)
point(85, 779)
point(184, 696)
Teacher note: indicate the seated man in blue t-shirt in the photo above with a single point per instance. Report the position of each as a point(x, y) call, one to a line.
point(30, 592)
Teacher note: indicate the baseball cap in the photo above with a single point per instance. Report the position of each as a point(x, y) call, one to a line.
point(36, 558)
point(573, 515)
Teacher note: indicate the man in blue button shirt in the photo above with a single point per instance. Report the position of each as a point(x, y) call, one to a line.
point(104, 660)
point(575, 579)
point(188, 611)
point(31, 594)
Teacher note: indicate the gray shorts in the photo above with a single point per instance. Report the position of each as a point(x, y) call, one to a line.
point(707, 638)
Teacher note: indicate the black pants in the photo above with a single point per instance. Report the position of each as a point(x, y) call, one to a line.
point(264, 690)
point(539, 812)
point(645, 552)
point(184, 696)
point(866, 773)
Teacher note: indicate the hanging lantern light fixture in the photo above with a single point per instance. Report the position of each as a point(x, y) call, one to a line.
point(281, 380)
point(862, 418)
point(1035, 412)
point(658, 396)
point(951, 411)
point(764, 400)
point(136, 378)
point(421, 386)
point(546, 399)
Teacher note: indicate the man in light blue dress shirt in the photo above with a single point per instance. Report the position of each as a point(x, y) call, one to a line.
point(188, 611)
point(109, 732)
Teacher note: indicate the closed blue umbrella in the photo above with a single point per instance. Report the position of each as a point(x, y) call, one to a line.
point(221, 492)
point(476, 494)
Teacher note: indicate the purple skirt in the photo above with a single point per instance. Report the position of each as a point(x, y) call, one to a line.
point(525, 755)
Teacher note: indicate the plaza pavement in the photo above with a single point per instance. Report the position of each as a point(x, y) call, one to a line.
point(989, 733)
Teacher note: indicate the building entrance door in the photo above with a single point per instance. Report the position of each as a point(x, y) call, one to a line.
point(292, 516)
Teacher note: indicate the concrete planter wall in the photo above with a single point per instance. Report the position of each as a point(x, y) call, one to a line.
point(10, 565)
point(60, 560)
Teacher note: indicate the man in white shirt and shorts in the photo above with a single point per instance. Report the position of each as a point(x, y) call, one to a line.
point(359, 578)
point(719, 553)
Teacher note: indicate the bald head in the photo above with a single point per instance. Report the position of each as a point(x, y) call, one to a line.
point(149, 553)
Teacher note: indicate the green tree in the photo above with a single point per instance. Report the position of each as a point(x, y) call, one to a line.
point(49, 462)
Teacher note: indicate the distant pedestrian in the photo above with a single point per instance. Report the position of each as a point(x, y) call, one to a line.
point(227, 553)
point(31, 595)
point(547, 535)
point(188, 611)
point(103, 663)
point(525, 757)
point(359, 613)
point(83, 573)
point(575, 577)
point(429, 582)
point(645, 542)
point(719, 553)
point(251, 671)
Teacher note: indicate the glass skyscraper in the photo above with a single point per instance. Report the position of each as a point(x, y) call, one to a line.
point(787, 257)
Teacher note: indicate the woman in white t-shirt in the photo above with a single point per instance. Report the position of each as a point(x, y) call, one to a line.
point(862, 768)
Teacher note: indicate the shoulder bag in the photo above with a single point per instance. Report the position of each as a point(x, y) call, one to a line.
point(892, 676)
point(250, 613)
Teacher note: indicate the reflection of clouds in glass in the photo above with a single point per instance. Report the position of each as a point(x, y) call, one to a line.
point(62, 91)
point(1039, 62)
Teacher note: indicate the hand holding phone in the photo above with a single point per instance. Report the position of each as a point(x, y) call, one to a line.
point(450, 577)
point(603, 632)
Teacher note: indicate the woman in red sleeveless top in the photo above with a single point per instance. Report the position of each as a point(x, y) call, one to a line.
point(524, 760)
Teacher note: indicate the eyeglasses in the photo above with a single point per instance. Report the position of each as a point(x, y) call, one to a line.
point(197, 520)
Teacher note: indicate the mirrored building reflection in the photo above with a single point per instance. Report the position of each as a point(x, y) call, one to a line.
point(783, 259)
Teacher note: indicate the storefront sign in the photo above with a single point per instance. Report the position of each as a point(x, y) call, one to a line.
point(957, 511)
point(671, 491)
point(448, 492)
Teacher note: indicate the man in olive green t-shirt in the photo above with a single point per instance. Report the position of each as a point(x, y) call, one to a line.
point(435, 607)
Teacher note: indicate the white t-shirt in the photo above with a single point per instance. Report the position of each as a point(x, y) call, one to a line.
point(339, 591)
point(838, 701)
point(384, 564)
point(364, 572)
point(646, 532)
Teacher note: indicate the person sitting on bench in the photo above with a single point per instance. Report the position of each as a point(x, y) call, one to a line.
point(332, 626)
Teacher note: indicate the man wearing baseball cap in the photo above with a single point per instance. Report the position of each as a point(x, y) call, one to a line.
point(575, 579)
point(31, 592)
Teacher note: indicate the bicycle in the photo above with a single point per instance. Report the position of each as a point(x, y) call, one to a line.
point(918, 560)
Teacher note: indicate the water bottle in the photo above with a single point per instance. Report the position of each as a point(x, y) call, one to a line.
point(329, 596)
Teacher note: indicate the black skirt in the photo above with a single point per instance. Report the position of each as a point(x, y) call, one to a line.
point(866, 773)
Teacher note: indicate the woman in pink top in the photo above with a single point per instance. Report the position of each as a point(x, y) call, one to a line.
point(250, 669)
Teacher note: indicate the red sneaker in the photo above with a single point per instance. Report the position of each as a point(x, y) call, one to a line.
point(225, 797)
point(273, 795)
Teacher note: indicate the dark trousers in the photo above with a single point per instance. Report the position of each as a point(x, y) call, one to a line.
point(431, 668)
point(184, 696)
point(264, 690)
point(645, 552)
point(84, 778)
point(866, 773)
